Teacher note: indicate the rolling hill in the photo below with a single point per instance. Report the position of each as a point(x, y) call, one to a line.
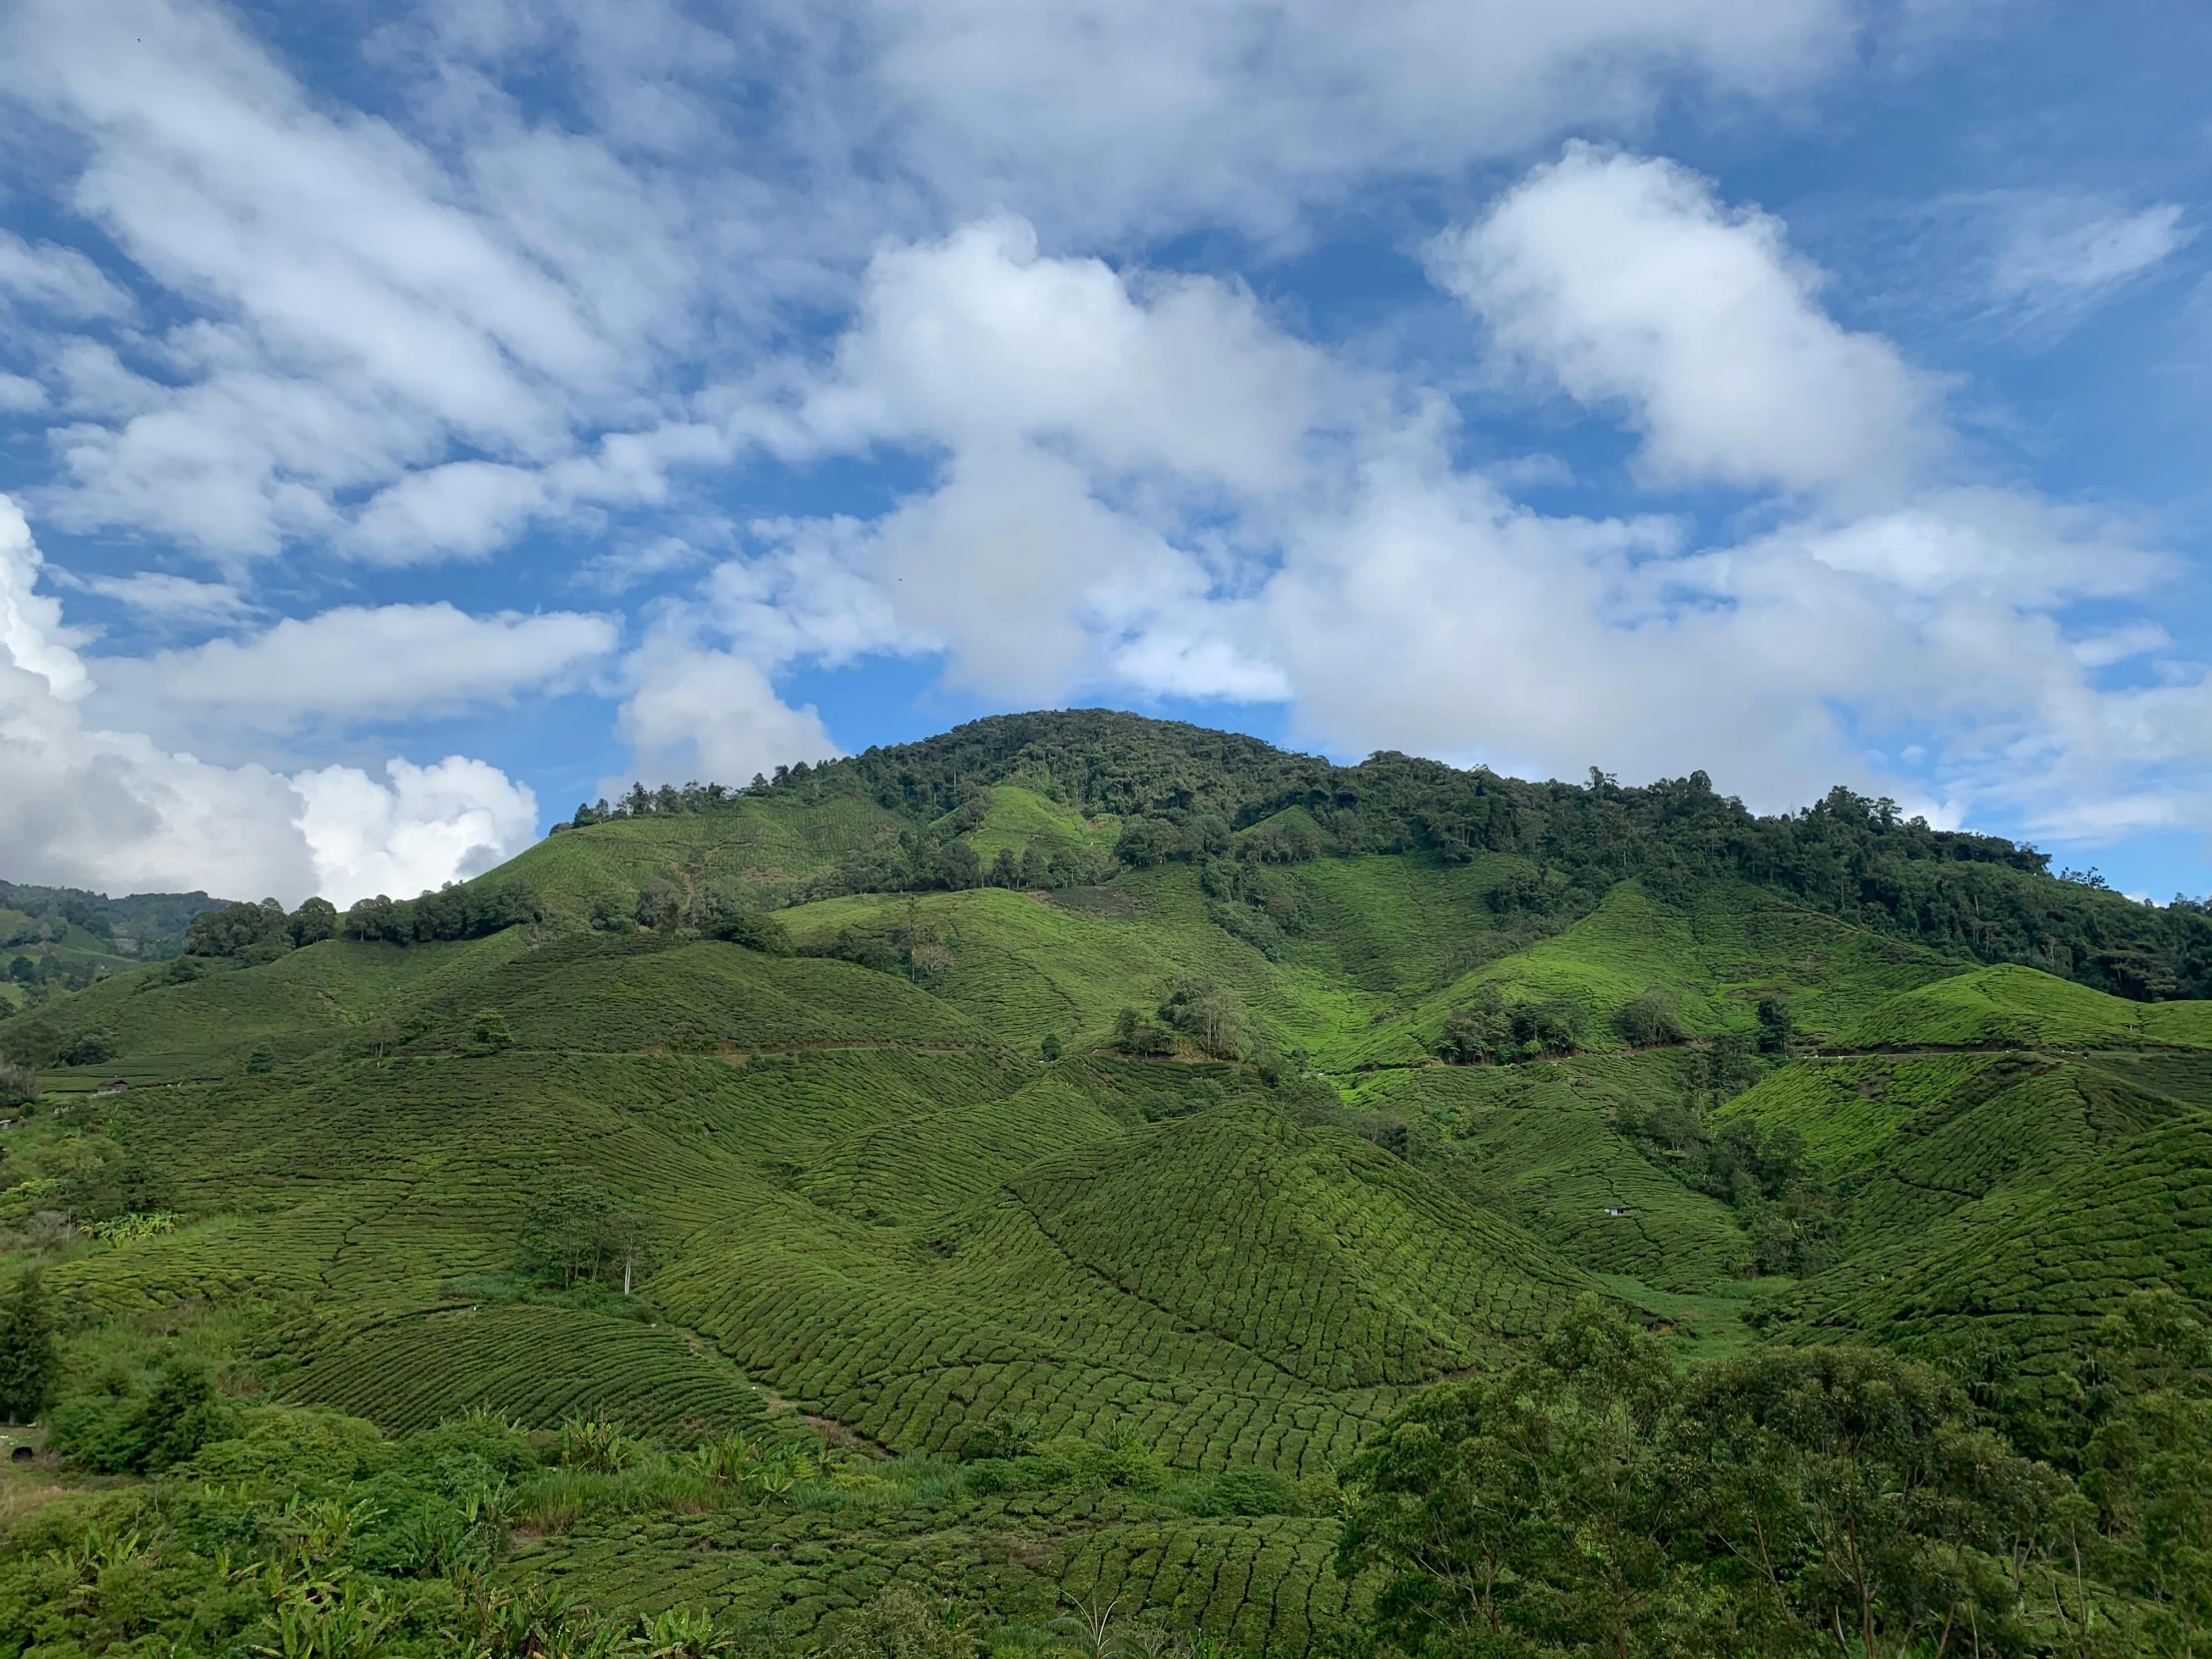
point(1036, 1143)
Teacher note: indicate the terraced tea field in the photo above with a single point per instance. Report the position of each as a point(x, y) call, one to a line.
point(905, 1196)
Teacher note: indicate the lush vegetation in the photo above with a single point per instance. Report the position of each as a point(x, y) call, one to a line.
point(1088, 1185)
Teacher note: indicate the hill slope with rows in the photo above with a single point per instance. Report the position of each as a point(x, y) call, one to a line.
point(1040, 1158)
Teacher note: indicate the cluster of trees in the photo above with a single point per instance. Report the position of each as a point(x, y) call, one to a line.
point(49, 971)
point(912, 947)
point(1775, 1191)
point(455, 912)
point(1195, 1010)
point(1592, 1499)
point(259, 932)
point(1849, 855)
point(1489, 1030)
point(581, 1234)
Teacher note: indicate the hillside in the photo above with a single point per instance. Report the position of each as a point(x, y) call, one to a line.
point(1056, 1235)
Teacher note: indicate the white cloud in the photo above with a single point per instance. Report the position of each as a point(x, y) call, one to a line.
point(167, 598)
point(50, 278)
point(1624, 282)
point(425, 827)
point(113, 809)
point(1150, 115)
point(19, 395)
point(470, 318)
point(707, 714)
point(362, 306)
point(2058, 255)
point(464, 508)
point(1350, 564)
point(354, 664)
point(976, 339)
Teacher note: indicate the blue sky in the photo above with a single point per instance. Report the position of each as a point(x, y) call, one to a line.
point(415, 420)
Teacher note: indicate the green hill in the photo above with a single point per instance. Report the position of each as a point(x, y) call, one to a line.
point(1024, 1164)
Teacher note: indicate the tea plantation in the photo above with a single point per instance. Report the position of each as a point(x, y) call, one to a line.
point(1029, 1169)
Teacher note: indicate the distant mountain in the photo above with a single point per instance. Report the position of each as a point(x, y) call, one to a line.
point(149, 925)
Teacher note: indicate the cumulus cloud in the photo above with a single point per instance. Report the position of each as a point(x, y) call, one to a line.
point(425, 825)
point(1623, 281)
point(45, 277)
point(87, 806)
point(1900, 623)
point(353, 665)
point(361, 309)
point(701, 714)
point(410, 336)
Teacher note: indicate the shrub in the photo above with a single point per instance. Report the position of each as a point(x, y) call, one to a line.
point(490, 1030)
point(755, 930)
point(1249, 1492)
point(127, 1435)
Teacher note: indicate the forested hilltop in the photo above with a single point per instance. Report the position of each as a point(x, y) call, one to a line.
point(1182, 791)
point(1086, 1185)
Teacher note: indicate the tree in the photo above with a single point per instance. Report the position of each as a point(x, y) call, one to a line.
point(236, 929)
point(1848, 1494)
point(316, 920)
point(1650, 1020)
point(89, 1047)
point(1522, 1511)
point(29, 1361)
point(755, 930)
point(1134, 1034)
point(19, 1085)
point(490, 1031)
point(566, 1235)
point(1205, 1014)
point(1775, 1028)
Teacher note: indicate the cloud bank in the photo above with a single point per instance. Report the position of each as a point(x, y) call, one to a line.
point(83, 805)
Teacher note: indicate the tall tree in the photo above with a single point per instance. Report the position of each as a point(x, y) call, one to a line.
point(29, 1361)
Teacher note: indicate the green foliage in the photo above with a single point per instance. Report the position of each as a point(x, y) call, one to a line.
point(19, 1085)
point(91, 1047)
point(1649, 1020)
point(900, 1623)
point(244, 930)
point(1490, 1031)
point(1205, 1014)
point(126, 1432)
point(470, 910)
point(1591, 1499)
point(489, 1030)
point(579, 1232)
point(913, 1185)
point(30, 1363)
point(755, 930)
